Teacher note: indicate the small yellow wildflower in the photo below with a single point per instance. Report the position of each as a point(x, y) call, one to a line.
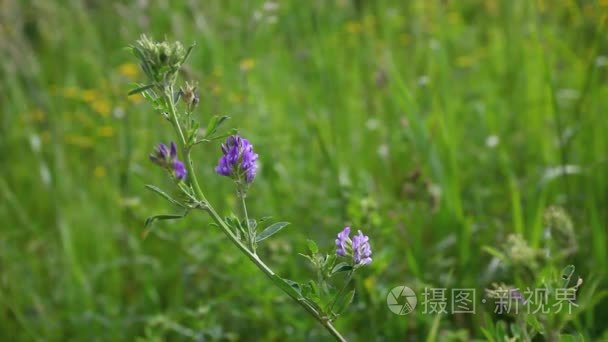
point(45, 137)
point(369, 283)
point(84, 119)
point(79, 141)
point(38, 115)
point(100, 172)
point(217, 71)
point(454, 18)
point(70, 92)
point(235, 98)
point(102, 107)
point(369, 22)
point(354, 27)
point(89, 95)
point(465, 61)
point(128, 70)
point(136, 98)
point(106, 131)
point(216, 89)
point(247, 64)
point(492, 7)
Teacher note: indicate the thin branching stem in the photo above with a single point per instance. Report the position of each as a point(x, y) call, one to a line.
point(228, 232)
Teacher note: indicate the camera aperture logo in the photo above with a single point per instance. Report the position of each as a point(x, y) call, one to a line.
point(401, 300)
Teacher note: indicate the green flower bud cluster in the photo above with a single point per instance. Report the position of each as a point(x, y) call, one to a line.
point(559, 231)
point(520, 253)
point(160, 61)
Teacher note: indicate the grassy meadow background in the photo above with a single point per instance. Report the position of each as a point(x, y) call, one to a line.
point(437, 127)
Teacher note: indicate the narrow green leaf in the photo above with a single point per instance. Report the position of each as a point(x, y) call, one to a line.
point(567, 273)
point(252, 223)
point(501, 330)
point(213, 125)
point(137, 53)
point(341, 267)
point(344, 301)
point(488, 335)
point(313, 287)
point(140, 89)
point(494, 252)
point(271, 230)
point(316, 302)
point(329, 262)
point(534, 323)
point(295, 285)
point(192, 133)
point(432, 336)
point(151, 220)
point(188, 53)
point(312, 247)
point(221, 120)
point(233, 222)
point(285, 285)
point(164, 195)
point(312, 261)
point(571, 338)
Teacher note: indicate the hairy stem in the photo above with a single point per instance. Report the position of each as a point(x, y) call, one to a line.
point(228, 232)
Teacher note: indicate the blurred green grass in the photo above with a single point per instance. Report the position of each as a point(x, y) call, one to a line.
point(438, 127)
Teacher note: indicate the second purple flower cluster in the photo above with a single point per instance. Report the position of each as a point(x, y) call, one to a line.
point(358, 247)
point(238, 160)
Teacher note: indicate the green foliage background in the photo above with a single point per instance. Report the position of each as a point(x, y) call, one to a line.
point(437, 127)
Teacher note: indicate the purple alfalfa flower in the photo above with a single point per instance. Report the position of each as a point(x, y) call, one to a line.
point(166, 157)
point(362, 251)
point(358, 247)
point(343, 241)
point(238, 159)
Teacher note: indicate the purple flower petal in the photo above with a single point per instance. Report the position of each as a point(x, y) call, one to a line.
point(166, 157)
point(362, 251)
point(342, 241)
point(160, 155)
point(179, 169)
point(173, 152)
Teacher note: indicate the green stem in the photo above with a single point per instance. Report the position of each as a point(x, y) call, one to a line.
point(228, 232)
point(273, 277)
point(249, 230)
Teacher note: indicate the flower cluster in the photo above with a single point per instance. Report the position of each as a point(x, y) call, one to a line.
point(160, 61)
point(238, 160)
point(358, 247)
point(166, 157)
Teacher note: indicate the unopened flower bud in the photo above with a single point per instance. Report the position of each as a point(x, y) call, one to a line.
point(190, 96)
